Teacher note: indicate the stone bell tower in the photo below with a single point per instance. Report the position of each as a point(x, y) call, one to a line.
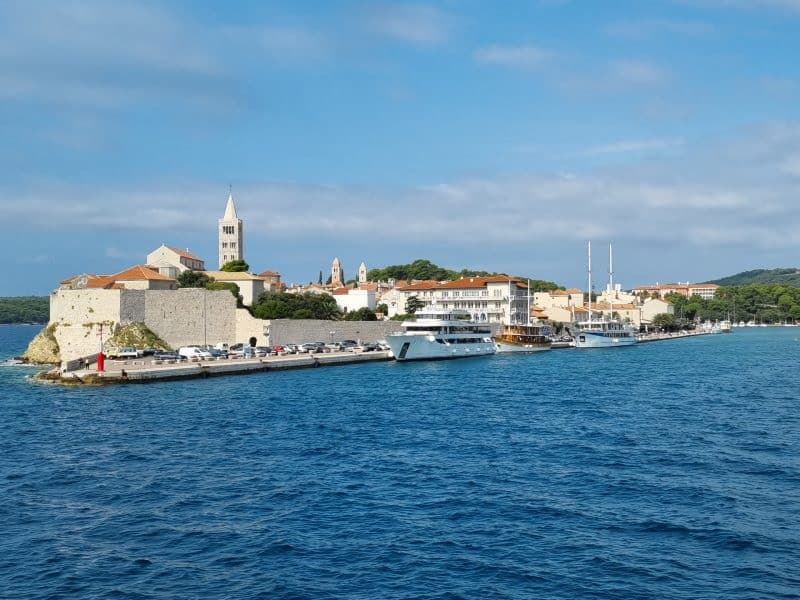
point(231, 235)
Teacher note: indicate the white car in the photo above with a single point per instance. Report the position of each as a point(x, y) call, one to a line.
point(193, 352)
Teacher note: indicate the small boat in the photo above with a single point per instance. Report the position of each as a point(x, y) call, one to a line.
point(524, 338)
point(725, 326)
point(437, 334)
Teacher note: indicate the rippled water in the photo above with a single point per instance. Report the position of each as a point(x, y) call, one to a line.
point(665, 470)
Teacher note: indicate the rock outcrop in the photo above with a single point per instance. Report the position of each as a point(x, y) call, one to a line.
point(43, 348)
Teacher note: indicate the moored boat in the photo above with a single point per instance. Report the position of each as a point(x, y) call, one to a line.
point(602, 333)
point(439, 334)
point(524, 338)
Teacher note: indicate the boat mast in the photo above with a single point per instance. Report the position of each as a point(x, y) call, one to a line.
point(610, 283)
point(529, 303)
point(589, 245)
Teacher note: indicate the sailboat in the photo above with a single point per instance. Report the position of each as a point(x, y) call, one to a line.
point(519, 337)
point(603, 332)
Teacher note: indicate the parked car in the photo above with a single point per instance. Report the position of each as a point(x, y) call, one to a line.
point(217, 353)
point(125, 352)
point(290, 349)
point(166, 355)
point(263, 350)
point(193, 352)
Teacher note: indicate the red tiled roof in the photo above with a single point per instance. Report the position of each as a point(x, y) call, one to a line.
point(268, 273)
point(139, 272)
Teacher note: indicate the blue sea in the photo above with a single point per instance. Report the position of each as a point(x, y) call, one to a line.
point(664, 470)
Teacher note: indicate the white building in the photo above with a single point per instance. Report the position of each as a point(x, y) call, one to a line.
point(495, 299)
point(350, 300)
point(655, 306)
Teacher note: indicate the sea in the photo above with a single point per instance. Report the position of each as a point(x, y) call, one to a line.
point(663, 470)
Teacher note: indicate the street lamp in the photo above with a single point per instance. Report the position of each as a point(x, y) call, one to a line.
point(332, 334)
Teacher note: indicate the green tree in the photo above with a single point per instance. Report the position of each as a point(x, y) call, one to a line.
point(413, 304)
point(225, 285)
point(665, 320)
point(382, 308)
point(283, 305)
point(235, 266)
point(362, 314)
point(193, 279)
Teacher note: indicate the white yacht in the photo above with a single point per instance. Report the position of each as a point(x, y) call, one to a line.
point(602, 333)
point(440, 333)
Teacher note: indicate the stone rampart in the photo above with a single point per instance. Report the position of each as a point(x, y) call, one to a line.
point(191, 316)
point(298, 331)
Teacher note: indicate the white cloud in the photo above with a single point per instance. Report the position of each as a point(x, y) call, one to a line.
point(519, 57)
point(414, 23)
point(638, 72)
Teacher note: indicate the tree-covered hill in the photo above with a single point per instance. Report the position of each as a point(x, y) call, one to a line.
point(781, 276)
point(25, 309)
point(424, 269)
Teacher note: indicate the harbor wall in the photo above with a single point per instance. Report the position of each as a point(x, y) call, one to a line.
point(298, 331)
point(190, 315)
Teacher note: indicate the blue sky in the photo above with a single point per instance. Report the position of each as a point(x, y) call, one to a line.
point(497, 136)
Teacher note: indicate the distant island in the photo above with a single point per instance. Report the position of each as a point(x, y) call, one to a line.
point(24, 309)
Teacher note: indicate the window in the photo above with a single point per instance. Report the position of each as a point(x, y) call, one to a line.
point(233, 244)
point(224, 244)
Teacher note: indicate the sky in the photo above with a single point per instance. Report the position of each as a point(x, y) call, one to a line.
point(499, 136)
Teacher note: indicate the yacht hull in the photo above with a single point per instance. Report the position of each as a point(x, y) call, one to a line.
point(598, 339)
point(418, 347)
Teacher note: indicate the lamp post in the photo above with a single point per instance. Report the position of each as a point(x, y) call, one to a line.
point(332, 334)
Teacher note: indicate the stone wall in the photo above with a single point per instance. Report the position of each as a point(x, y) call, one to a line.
point(248, 326)
point(191, 316)
point(79, 314)
point(298, 331)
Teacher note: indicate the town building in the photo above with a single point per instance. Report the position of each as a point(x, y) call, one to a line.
point(706, 291)
point(171, 261)
point(494, 299)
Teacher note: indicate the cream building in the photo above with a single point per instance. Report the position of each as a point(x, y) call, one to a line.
point(655, 306)
point(337, 273)
point(362, 273)
point(171, 261)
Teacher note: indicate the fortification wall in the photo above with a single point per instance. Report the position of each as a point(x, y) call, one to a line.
point(78, 315)
point(248, 326)
point(298, 331)
point(191, 316)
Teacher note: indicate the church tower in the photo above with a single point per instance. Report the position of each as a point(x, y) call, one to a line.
point(362, 273)
point(337, 274)
point(231, 237)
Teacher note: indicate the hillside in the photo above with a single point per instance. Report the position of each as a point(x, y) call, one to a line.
point(25, 309)
point(782, 276)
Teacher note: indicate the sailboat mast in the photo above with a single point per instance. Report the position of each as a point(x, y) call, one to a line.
point(529, 302)
point(610, 281)
point(589, 245)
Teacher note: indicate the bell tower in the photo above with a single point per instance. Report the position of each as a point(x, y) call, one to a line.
point(231, 237)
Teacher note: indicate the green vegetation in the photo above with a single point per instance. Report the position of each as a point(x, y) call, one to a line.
point(25, 309)
point(193, 279)
point(790, 277)
point(282, 305)
point(198, 279)
point(235, 266)
point(134, 334)
point(425, 269)
point(413, 304)
point(362, 314)
point(764, 303)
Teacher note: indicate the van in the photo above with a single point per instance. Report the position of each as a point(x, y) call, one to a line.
point(193, 352)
